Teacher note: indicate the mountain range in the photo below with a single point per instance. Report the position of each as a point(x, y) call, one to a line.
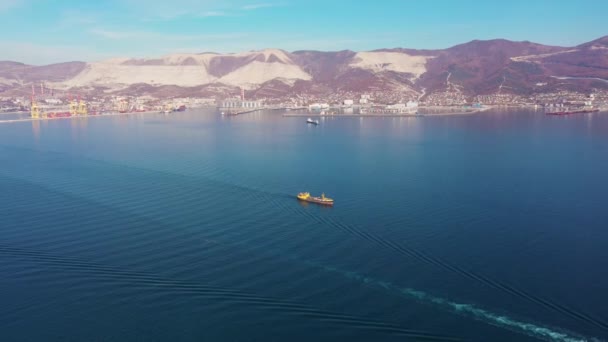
point(474, 68)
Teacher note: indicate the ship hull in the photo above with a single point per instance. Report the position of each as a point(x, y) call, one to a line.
point(573, 112)
point(317, 200)
point(59, 114)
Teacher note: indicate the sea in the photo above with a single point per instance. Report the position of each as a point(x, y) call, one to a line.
point(185, 227)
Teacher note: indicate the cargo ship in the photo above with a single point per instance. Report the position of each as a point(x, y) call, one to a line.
point(569, 112)
point(305, 196)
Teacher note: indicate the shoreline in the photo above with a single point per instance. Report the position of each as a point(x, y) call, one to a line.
point(380, 115)
point(75, 117)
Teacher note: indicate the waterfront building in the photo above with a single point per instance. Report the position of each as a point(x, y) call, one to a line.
point(239, 103)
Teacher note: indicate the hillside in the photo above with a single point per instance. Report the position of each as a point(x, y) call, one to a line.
point(473, 68)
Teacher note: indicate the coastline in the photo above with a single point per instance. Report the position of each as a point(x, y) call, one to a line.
point(389, 115)
point(75, 117)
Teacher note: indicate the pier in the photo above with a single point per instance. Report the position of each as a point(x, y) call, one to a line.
point(308, 115)
point(240, 111)
point(383, 114)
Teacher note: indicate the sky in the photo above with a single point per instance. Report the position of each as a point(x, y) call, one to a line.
point(50, 31)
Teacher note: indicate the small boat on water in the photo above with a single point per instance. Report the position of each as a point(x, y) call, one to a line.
point(305, 196)
point(311, 121)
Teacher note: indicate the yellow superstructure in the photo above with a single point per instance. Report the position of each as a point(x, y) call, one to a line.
point(303, 195)
point(73, 107)
point(82, 108)
point(35, 110)
point(168, 108)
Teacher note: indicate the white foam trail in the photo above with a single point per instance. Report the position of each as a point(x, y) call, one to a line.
point(469, 310)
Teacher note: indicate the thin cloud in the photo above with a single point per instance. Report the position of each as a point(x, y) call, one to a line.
point(215, 14)
point(38, 54)
point(258, 6)
point(150, 35)
point(168, 10)
point(151, 11)
point(234, 12)
point(72, 18)
point(108, 34)
point(6, 5)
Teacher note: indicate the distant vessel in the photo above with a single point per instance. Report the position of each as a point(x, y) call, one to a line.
point(568, 112)
point(311, 121)
point(305, 196)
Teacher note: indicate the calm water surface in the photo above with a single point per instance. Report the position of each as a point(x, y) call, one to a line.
point(184, 227)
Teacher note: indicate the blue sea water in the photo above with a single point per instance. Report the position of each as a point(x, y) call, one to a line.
point(184, 227)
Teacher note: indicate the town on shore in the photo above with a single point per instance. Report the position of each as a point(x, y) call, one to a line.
point(381, 102)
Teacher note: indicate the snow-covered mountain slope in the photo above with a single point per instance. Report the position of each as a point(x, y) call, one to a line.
point(378, 61)
point(246, 69)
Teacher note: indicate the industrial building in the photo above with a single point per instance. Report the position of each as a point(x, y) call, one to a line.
point(239, 103)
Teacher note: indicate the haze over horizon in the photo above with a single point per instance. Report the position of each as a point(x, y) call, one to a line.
point(73, 30)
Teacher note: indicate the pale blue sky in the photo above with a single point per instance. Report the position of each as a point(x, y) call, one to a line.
point(44, 31)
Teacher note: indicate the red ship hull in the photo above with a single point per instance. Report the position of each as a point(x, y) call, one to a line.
point(59, 115)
